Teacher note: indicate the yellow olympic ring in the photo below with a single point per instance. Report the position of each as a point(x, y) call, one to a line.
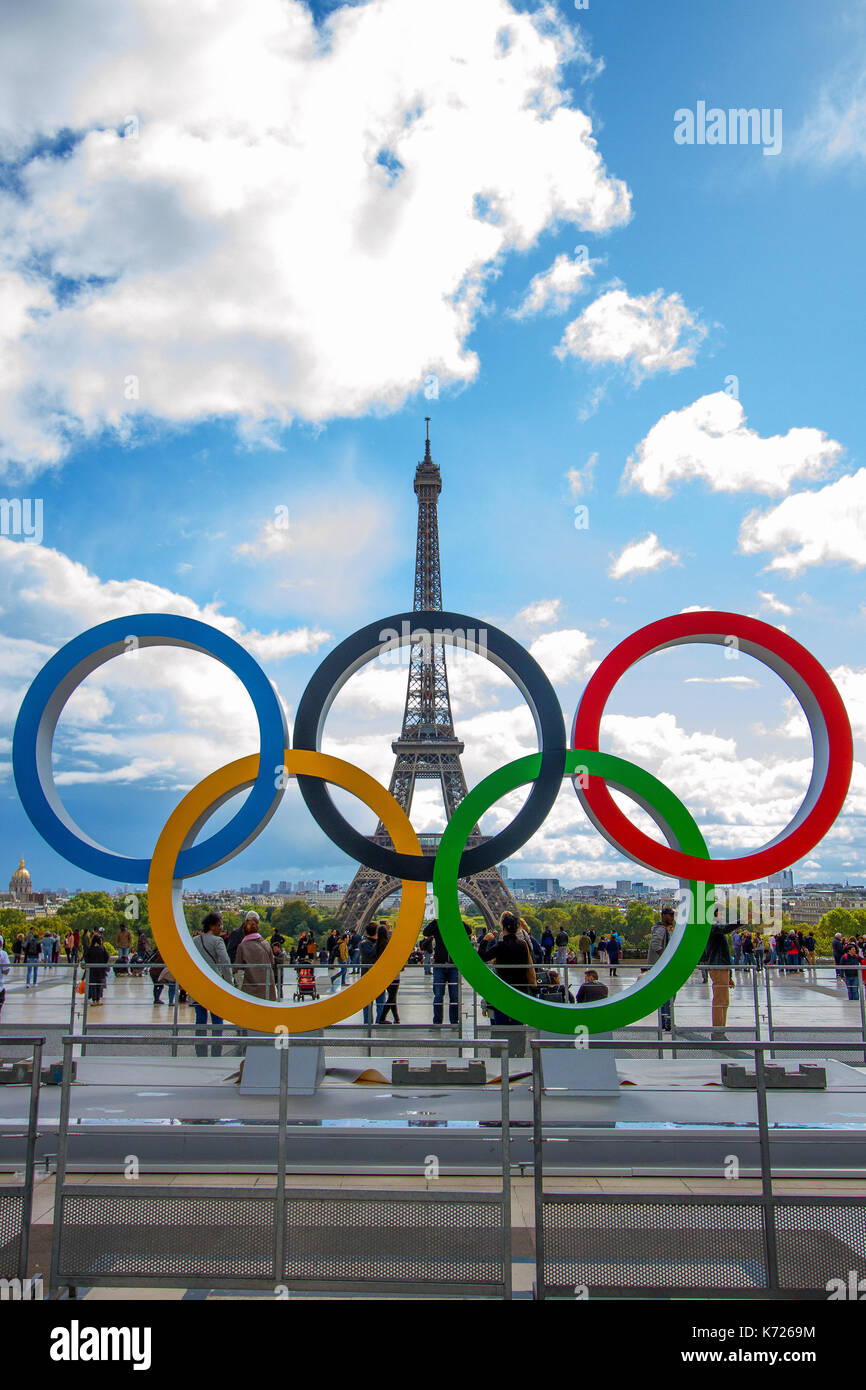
point(171, 934)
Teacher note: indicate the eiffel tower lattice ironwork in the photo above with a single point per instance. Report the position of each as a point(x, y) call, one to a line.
point(428, 748)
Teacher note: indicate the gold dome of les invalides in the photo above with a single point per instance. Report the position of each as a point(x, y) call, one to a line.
point(19, 884)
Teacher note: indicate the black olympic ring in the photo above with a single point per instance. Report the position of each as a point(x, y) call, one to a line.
point(460, 630)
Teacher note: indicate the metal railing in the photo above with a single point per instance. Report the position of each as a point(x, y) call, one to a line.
point(650, 1245)
point(16, 1202)
point(763, 983)
point(314, 1239)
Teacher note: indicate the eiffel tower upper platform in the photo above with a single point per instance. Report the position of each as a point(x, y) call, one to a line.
point(428, 748)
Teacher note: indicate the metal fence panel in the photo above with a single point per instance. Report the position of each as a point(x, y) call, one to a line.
point(819, 1239)
point(16, 1203)
point(108, 1235)
point(370, 1241)
point(11, 1230)
point(646, 1242)
point(395, 1238)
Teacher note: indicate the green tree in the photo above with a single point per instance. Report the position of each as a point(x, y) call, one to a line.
point(95, 919)
point(12, 919)
point(294, 917)
point(555, 917)
point(639, 922)
point(84, 902)
point(532, 921)
point(838, 919)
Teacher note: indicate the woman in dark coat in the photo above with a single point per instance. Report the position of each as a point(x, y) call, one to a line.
point(96, 960)
point(511, 959)
point(612, 949)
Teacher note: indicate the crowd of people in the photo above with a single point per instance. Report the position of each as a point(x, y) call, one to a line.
point(531, 964)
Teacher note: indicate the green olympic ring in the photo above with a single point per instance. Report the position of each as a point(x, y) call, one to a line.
point(660, 983)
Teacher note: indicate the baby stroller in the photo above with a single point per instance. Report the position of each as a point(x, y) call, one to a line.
point(306, 984)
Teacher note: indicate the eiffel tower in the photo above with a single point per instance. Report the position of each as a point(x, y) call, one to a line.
point(428, 748)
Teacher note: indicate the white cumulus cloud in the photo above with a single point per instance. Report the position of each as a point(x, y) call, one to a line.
point(640, 556)
point(262, 221)
point(827, 526)
point(552, 290)
point(170, 716)
point(775, 605)
point(654, 332)
point(710, 440)
point(545, 610)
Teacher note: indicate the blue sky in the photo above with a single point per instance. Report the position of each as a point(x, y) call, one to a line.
point(234, 249)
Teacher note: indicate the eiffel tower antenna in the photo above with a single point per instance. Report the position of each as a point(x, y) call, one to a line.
point(428, 748)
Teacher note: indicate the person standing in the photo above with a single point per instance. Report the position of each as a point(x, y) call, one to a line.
point(5, 968)
point(341, 960)
point(143, 946)
point(354, 951)
point(838, 947)
point(278, 951)
point(156, 967)
point(32, 952)
point(253, 962)
point(425, 946)
point(759, 950)
point(748, 950)
point(18, 949)
point(659, 938)
point(560, 948)
point(584, 945)
point(444, 974)
point(850, 962)
point(123, 942)
point(96, 962)
point(211, 947)
point(368, 954)
point(48, 949)
point(809, 944)
point(717, 959)
point(236, 936)
point(390, 1003)
point(511, 959)
point(613, 953)
point(547, 944)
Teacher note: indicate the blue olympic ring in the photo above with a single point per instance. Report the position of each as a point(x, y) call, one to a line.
point(64, 672)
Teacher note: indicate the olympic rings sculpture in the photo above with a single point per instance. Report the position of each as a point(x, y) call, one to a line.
point(179, 854)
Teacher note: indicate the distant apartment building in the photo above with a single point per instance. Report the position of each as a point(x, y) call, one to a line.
point(811, 907)
point(783, 879)
point(535, 887)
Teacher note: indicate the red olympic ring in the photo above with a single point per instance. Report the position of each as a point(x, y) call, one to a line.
point(832, 745)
